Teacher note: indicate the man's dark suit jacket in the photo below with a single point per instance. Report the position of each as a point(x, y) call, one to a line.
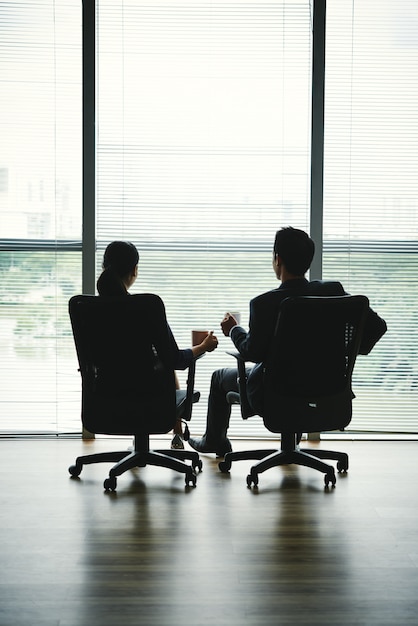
point(254, 345)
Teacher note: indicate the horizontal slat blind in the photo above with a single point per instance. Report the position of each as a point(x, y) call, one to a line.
point(40, 213)
point(203, 153)
point(371, 193)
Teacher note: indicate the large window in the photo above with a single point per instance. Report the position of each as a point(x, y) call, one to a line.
point(203, 124)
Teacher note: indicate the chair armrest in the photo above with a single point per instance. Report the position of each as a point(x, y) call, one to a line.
point(184, 408)
point(246, 410)
point(235, 354)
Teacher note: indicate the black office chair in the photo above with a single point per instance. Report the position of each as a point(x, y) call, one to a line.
point(307, 381)
point(128, 383)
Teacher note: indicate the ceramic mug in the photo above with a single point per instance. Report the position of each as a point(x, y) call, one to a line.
point(198, 336)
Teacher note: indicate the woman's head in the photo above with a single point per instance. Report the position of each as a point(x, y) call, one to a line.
point(120, 262)
point(121, 256)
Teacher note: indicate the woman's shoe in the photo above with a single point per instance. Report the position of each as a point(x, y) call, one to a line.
point(177, 443)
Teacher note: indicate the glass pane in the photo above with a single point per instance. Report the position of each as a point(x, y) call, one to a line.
point(39, 383)
point(41, 120)
point(371, 193)
point(40, 212)
point(203, 151)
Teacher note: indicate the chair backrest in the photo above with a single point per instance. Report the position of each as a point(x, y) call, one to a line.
point(126, 364)
point(307, 379)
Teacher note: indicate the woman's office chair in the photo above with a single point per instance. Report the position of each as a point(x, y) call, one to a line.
point(306, 381)
point(128, 384)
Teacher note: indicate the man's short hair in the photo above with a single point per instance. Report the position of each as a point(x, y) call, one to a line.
point(295, 248)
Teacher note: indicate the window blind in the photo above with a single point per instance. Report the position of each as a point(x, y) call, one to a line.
point(40, 213)
point(371, 193)
point(203, 135)
point(203, 152)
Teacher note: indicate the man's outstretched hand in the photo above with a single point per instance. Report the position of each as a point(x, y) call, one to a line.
point(227, 323)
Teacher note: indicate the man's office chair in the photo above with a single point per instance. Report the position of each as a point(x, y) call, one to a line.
point(128, 383)
point(307, 381)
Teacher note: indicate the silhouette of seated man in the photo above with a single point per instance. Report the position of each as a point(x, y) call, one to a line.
point(293, 252)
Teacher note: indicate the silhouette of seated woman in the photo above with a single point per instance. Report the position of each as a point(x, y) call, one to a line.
point(120, 271)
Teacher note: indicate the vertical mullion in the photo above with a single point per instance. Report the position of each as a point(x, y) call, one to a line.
point(317, 134)
point(89, 147)
point(89, 153)
point(317, 141)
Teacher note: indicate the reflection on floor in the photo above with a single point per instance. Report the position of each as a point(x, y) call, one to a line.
point(158, 553)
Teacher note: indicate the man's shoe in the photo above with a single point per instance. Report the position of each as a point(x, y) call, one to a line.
point(200, 445)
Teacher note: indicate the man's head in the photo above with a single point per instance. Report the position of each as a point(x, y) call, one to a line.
point(293, 249)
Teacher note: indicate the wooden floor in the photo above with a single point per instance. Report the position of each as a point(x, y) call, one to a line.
point(158, 553)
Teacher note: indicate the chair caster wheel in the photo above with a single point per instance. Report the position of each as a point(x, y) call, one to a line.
point(196, 462)
point(342, 466)
point(197, 465)
point(190, 478)
point(224, 466)
point(110, 483)
point(75, 470)
point(330, 478)
point(252, 479)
